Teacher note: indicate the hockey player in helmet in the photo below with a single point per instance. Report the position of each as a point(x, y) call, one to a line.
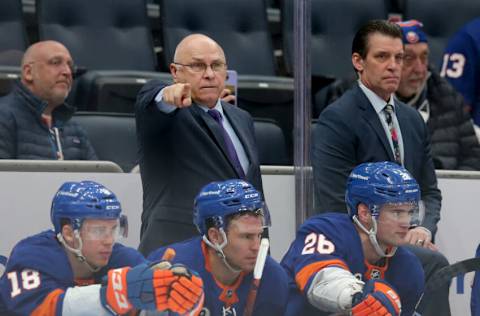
point(87, 222)
point(230, 217)
point(80, 269)
point(355, 263)
point(390, 197)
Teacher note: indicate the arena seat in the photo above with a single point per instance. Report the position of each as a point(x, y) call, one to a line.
point(270, 142)
point(240, 27)
point(113, 136)
point(441, 19)
point(13, 42)
point(110, 39)
point(334, 24)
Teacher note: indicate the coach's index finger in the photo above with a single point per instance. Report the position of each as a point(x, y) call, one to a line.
point(187, 95)
point(178, 94)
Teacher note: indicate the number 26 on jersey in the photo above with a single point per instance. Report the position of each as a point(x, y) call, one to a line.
point(317, 243)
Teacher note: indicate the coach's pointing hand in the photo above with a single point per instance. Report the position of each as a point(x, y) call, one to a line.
point(178, 94)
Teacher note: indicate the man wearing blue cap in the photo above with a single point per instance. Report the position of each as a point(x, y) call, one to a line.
point(454, 144)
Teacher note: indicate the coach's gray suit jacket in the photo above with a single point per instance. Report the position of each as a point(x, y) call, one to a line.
point(349, 132)
point(179, 153)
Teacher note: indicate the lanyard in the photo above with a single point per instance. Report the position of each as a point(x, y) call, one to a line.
point(55, 136)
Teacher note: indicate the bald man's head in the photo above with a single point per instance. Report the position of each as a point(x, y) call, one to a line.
point(192, 42)
point(47, 71)
point(200, 61)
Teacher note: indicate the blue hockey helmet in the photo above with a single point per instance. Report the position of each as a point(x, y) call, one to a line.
point(218, 200)
point(379, 183)
point(77, 201)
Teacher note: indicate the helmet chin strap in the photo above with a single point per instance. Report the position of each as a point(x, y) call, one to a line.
point(372, 236)
point(219, 249)
point(77, 251)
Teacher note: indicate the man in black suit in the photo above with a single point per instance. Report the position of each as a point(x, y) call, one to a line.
point(366, 125)
point(188, 137)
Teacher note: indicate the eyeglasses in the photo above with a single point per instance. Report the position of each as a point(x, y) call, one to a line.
point(409, 59)
point(202, 67)
point(58, 62)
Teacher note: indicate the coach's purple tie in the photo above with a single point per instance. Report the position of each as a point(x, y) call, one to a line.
point(232, 153)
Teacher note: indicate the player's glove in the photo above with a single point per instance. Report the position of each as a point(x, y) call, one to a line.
point(140, 287)
point(377, 299)
point(186, 294)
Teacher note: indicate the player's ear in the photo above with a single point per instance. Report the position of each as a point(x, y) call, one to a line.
point(67, 233)
point(214, 235)
point(364, 214)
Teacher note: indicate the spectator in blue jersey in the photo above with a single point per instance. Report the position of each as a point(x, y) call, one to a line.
point(79, 268)
point(356, 263)
point(461, 65)
point(34, 118)
point(230, 217)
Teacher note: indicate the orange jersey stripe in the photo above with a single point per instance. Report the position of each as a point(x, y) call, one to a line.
point(49, 304)
point(229, 292)
point(375, 272)
point(307, 271)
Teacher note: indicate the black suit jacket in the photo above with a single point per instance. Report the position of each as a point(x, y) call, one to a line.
point(179, 153)
point(349, 132)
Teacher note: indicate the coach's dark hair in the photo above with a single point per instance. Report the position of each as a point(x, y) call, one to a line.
point(360, 41)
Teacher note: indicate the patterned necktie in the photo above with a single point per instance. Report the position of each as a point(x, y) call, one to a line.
point(393, 133)
point(232, 153)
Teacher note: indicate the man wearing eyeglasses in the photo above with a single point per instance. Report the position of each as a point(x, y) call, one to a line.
point(34, 118)
point(189, 137)
point(79, 268)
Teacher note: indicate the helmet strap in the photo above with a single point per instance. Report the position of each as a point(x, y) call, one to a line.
point(77, 251)
point(219, 249)
point(372, 236)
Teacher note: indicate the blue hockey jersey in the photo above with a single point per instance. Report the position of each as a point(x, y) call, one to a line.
point(222, 300)
point(461, 65)
point(475, 298)
point(38, 273)
point(332, 240)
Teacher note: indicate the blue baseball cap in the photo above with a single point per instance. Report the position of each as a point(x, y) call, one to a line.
point(412, 32)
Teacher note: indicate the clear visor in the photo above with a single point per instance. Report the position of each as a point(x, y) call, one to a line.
point(407, 213)
point(262, 211)
point(111, 229)
point(265, 213)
